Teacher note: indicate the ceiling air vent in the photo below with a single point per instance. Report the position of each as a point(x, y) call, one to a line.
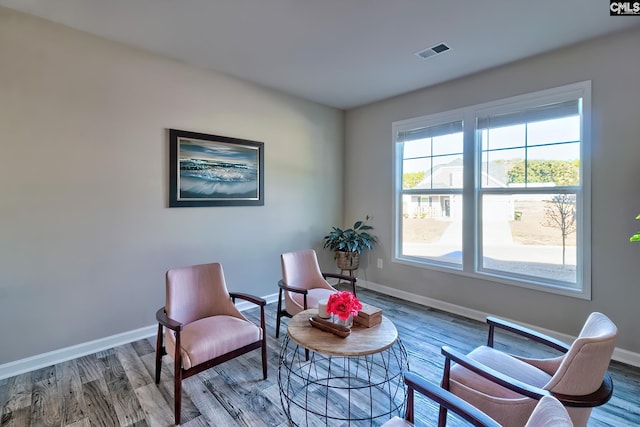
point(432, 51)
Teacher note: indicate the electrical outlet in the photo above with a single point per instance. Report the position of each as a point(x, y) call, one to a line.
point(379, 262)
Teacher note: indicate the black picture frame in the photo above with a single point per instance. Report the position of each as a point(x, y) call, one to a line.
point(213, 170)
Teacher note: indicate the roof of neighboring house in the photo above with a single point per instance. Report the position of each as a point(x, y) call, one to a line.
point(450, 174)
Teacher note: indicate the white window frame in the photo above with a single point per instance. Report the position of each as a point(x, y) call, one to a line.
point(472, 215)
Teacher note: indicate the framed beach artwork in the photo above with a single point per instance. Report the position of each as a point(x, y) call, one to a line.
point(212, 170)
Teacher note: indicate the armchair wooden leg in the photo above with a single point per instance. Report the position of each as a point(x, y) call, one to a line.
point(442, 417)
point(159, 354)
point(442, 414)
point(264, 346)
point(177, 380)
point(264, 361)
point(279, 313)
point(409, 414)
point(177, 392)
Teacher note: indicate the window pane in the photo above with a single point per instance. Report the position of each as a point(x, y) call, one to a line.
point(416, 148)
point(530, 235)
point(447, 172)
point(533, 154)
point(432, 172)
point(416, 173)
point(566, 129)
point(448, 144)
point(554, 165)
point(432, 227)
point(497, 168)
point(505, 137)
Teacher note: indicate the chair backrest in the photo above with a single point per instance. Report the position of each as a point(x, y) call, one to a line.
point(549, 412)
point(301, 269)
point(585, 364)
point(196, 292)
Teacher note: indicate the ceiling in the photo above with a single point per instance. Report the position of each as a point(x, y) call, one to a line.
point(341, 53)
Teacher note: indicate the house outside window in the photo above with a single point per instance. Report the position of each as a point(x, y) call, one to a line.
point(508, 190)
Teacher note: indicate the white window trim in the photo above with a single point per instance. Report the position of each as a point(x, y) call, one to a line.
point(471, 192)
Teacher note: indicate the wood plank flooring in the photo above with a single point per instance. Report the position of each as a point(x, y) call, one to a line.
point(116, 387)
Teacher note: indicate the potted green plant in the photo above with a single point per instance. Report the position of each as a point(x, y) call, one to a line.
point(348, 244)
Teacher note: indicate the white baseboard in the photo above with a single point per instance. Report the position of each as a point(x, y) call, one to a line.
point(68, 353)
point(62, 355)
point(619, 354)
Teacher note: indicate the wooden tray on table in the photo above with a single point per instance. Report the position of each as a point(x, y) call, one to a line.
point(327, 326)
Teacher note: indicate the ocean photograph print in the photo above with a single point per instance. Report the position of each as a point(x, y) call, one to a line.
point(212, 170)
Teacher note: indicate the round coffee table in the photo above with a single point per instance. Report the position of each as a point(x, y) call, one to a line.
point(357, 379)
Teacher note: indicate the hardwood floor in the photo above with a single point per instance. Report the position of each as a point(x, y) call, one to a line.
point(116, 386)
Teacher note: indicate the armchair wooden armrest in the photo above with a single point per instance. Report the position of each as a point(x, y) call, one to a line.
point(164, 320)
point(282, 285)
point(247, 297)
point(538, 337)
point(282, 311)
point(443, 398)
point(598, 397)
point(257, 301)
point(341, 277)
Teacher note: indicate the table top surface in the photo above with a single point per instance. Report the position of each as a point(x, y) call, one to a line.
point(362, 341)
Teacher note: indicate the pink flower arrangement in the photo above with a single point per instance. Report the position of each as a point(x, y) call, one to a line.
point(343, 304)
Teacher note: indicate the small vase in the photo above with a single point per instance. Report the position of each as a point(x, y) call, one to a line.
point(338, 321)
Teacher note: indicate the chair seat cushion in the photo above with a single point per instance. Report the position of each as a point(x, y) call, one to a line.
point(505, 406)
point(208, 338)
point(501, 362)
point(549, 412)
point(313, 297)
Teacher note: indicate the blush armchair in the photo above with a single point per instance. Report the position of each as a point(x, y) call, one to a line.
point(507, 387)
point(548, 412)
point(200, 326)
point(303, 284)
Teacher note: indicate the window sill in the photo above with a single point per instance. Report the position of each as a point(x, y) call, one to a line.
point(558, 289)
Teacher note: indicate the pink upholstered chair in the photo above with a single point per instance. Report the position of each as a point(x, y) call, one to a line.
point(548, 412)
point(303, 284)
point(202, 326)
point(507, 387)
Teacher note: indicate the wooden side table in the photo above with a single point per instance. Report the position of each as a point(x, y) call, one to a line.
point(358, 379)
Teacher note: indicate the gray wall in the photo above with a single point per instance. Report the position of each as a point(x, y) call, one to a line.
point(86, 233)
point(613, 65)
